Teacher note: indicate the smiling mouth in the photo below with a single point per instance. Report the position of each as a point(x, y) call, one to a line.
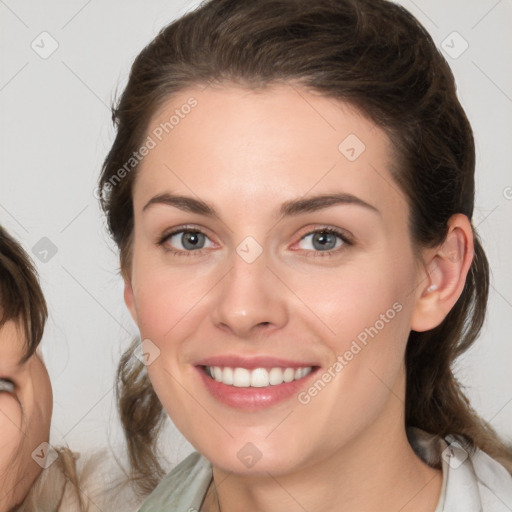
point(257, 377)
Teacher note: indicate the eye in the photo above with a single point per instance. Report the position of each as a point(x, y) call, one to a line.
point(325, 240)
point(6, 385)
point(184, 241)
point(187, 240)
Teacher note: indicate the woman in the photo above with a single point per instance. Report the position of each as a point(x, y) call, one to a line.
point(291, 188)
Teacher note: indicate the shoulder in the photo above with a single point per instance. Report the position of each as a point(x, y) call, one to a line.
point(493, 481)
point(183, 488)
point(472, 480)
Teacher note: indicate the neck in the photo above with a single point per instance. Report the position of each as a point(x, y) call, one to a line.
point(376, 471)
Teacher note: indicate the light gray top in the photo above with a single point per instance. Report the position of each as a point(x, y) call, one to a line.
point(472, 482)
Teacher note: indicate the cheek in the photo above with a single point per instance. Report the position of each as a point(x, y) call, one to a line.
point(10, 428)
point(353, 301)
point(364, 314)
point(43, 401)
point(341, 302)
point(164, 301)
point(167, 296)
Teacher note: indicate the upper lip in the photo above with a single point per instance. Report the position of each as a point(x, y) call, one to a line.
point(234, 361)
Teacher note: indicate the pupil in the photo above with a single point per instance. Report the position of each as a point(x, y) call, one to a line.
point(191, 240)
point(324, 239)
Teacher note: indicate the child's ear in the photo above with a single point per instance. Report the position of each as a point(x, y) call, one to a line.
point(444, 275)
point(129, 299)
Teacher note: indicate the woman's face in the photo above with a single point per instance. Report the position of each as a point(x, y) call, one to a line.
point(25, 413)
point(272, 276)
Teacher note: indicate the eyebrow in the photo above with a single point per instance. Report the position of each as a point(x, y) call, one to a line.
point(288, 208)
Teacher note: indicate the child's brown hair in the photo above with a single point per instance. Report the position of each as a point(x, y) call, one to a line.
point(21, 297)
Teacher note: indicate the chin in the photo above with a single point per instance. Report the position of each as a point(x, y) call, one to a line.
point(252, 458)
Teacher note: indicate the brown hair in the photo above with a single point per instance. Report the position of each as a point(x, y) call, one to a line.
point(21, 297)
point(54, 484)
point(376, 56)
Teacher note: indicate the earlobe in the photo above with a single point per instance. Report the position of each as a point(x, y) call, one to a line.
point(129, 299)
point(446, 268)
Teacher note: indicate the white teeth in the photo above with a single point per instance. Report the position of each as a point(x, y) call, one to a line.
point(276, 376)
point(289, 374)
point(241, 377)
point(257, 378)
point(217, 373)
point(227, 376)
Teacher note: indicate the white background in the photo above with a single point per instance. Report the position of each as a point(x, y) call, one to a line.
point(56, 130)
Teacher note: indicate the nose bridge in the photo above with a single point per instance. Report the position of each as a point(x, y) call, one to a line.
point(249, 296)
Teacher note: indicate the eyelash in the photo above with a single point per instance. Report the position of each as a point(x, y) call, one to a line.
point(347, 241)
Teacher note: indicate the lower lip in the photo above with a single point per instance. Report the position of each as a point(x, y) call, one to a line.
point(252, 399)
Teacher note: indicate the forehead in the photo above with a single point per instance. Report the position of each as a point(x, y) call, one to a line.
point(12, 344)
point(249, 145)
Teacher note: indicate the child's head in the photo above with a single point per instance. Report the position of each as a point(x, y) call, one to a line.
point(25, 390)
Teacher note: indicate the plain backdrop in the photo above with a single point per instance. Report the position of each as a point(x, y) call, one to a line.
point(56, 129)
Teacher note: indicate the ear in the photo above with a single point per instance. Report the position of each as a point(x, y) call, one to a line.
point(129, 299)
point(444, 275)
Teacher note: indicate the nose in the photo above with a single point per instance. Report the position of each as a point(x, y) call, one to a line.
point(250, 299)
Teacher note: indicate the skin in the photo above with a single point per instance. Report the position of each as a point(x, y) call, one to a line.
point(24, 416)
point(246, 153)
